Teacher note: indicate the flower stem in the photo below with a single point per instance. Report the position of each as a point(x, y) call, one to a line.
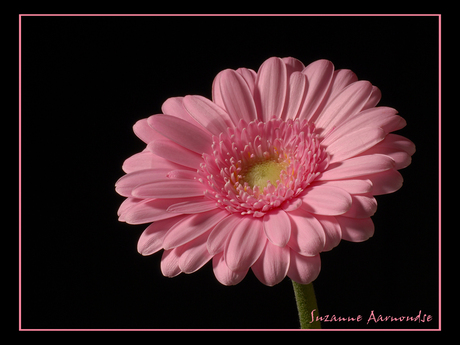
point(306, 305)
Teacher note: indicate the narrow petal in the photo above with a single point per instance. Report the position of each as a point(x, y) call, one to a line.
point(126, 205)
point(298, 87)
point(225, 275)
point(174, 106)
point(363, 206)
point(307, 234)
point(386, 182)
point(399, 148)
point(272, 265)
point(128, 182)
point(147, 160)
point(277, 227)
point(236, 96)
point(347, 103)
point(341, 79)
point(319, 74)
point(326, 200)
point(382, 117)
point(249, 77)
point(147, 211)
point(354, 143)
point(356, 230)
point(401, 158)
point(332, 231)
point(216, 93)
point(194, 255)
point(291, 205)
point(182, 132)
point(193, 205)
point(208, 114)
point(152, 238)
point(170, 262)
point(271, 88)
point(374, 98)
point(169, 189)
point(245, 244)
point(175, 153)
point(221, 232)
point(293, 65)
point(350, 186)
point(303, 269)
point(357, 166)
point(144, 132)
point(191, 227)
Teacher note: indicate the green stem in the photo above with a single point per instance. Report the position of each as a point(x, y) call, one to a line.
point(306, 305)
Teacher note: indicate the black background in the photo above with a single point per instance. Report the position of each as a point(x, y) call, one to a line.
point(87, 80)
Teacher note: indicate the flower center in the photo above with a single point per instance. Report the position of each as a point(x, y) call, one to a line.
point(260, 174)
point(257, 166)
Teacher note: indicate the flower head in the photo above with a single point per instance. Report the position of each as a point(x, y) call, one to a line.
point(281, 165)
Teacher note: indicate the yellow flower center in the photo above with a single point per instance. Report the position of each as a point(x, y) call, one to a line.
point(261, 173)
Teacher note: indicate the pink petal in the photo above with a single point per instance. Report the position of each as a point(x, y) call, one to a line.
point(183, 174)
point(298, 86)
point(399, 143)
point(354, 143)
point(319, 75)
point(194, 255)
point(174, 106)
point(307, 234)
point(245, 244)
point(169, 189)
point(399, 148)
point(374, 99)
point(128, 182)
point(332, 231)
point(382, 117)
point(193, 205)
point(291, 205)
point(220, 233)
point(357, 166)
point(152, 238)
point(144, 132)
point(302, 269)
point(326, 200)
point(191, 227)
point(347, 103)
point(277, 227)
point(341, 79)
point(293, 65)
point(170, 262)
point(126, 205)
point(350, 186)
point(147, 211)
point(271, 88)
point(208, 114)
point(356, 230)
point(386, 182)
point(147, 160)
point(249, 77)
point(175, 153)
point(402, 159)
point(216, 93)
point(363, 206)
point(272, 265)
point(236, 96)
point(225, 275)
point(182, 132)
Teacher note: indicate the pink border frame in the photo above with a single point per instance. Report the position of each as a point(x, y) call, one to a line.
point(215, 15)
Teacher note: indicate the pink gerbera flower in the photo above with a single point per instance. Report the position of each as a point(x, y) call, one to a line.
point(281, 165)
